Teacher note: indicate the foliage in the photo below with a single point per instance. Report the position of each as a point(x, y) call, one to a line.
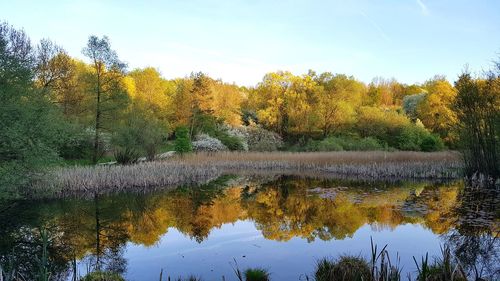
point(206, 143)
point(435, 110)
point(477, 106)
point(102, 276)
point(410, 104)
point(431, 143)
point(256, 138)
point(105, 84)
point(182, 141)
point(32, 130)
point(343, 143)
point(411, 138)
point(139, 135)
point(230, 141)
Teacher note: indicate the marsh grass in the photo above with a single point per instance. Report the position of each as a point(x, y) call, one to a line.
point(202, 167)
point(379, 267)
point(443, 268)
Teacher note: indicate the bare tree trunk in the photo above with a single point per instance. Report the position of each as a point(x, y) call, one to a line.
point(95, 156)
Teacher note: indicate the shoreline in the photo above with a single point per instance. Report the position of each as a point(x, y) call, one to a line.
point(202, 167)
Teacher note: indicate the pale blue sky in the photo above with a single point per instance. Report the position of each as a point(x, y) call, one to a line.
point(241, 40)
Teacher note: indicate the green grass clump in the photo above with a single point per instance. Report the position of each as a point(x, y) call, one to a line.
point(345, 268)
point(443, 268)
point(256, 274)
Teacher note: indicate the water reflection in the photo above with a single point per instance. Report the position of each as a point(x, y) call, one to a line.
point(95, 232)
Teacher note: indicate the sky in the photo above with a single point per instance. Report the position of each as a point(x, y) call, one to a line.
point(242, 40)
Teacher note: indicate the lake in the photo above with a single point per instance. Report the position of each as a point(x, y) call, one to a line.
point(281, 223)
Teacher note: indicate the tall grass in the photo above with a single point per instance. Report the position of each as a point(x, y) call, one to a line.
point(201, 167)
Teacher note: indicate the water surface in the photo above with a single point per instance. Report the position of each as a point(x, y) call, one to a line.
point(281, 223)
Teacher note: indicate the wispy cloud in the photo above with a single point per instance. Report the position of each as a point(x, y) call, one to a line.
point(376, 26)
point(423, 7)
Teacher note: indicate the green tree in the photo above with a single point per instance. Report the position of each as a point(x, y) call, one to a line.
point(106, 79)
point(31, 132)
point(182, 140)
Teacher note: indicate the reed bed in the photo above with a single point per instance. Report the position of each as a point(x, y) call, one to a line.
point(202, 167)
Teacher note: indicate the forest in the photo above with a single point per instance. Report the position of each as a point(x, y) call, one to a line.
point(57, 110)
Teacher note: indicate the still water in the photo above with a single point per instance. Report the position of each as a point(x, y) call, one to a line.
point(281, 223)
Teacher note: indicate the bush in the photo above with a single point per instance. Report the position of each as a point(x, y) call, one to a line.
point(328, 144)
point(182, 142)
point(206, 143)
point(78, 145)
point(381, 124)
point(256, 274)
point(256, 138)
point(231, 142)
point(345, 268)
point(343, 143)
point(417, 138)
point(126, 155)
point(410, 138)
point(431, 143)
point(357, 144)
point(102, 276)
point(139, 135)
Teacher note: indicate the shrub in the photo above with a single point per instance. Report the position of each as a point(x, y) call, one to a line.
point(206, 143)
point(102, 276)
point(431, 143)
point(78, 145)
point(328, 144)
point(381, 124)
point(345, 268)
point(259, 139)
point(417, 138)
point(356, 143)
point(343, 143)
point(256, 274)
point(410, 138)
point(231, 142)
point(126, 155)
point(140, 136)
point(182, 142)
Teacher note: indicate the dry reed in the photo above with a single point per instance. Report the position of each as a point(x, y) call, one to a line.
point(201, 167)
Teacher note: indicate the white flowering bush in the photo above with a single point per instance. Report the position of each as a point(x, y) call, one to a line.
point(256, 138)
point(206, 143)
point(240, 133)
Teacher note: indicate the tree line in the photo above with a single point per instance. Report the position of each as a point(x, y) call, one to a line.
point(58, 107)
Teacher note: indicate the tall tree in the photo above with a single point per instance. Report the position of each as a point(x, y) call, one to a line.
point(339, 97)
point(30, 132)
point(107, 75)
point(478, 109)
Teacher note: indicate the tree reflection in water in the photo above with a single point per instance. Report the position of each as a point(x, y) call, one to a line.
point(95, 232)
point(474, 238)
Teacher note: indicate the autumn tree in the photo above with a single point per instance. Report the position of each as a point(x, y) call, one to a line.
point(271, 102)
point(339, 96)
point(107, 74)
point(435, 109)
point(152, 93)
point(227, 103)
